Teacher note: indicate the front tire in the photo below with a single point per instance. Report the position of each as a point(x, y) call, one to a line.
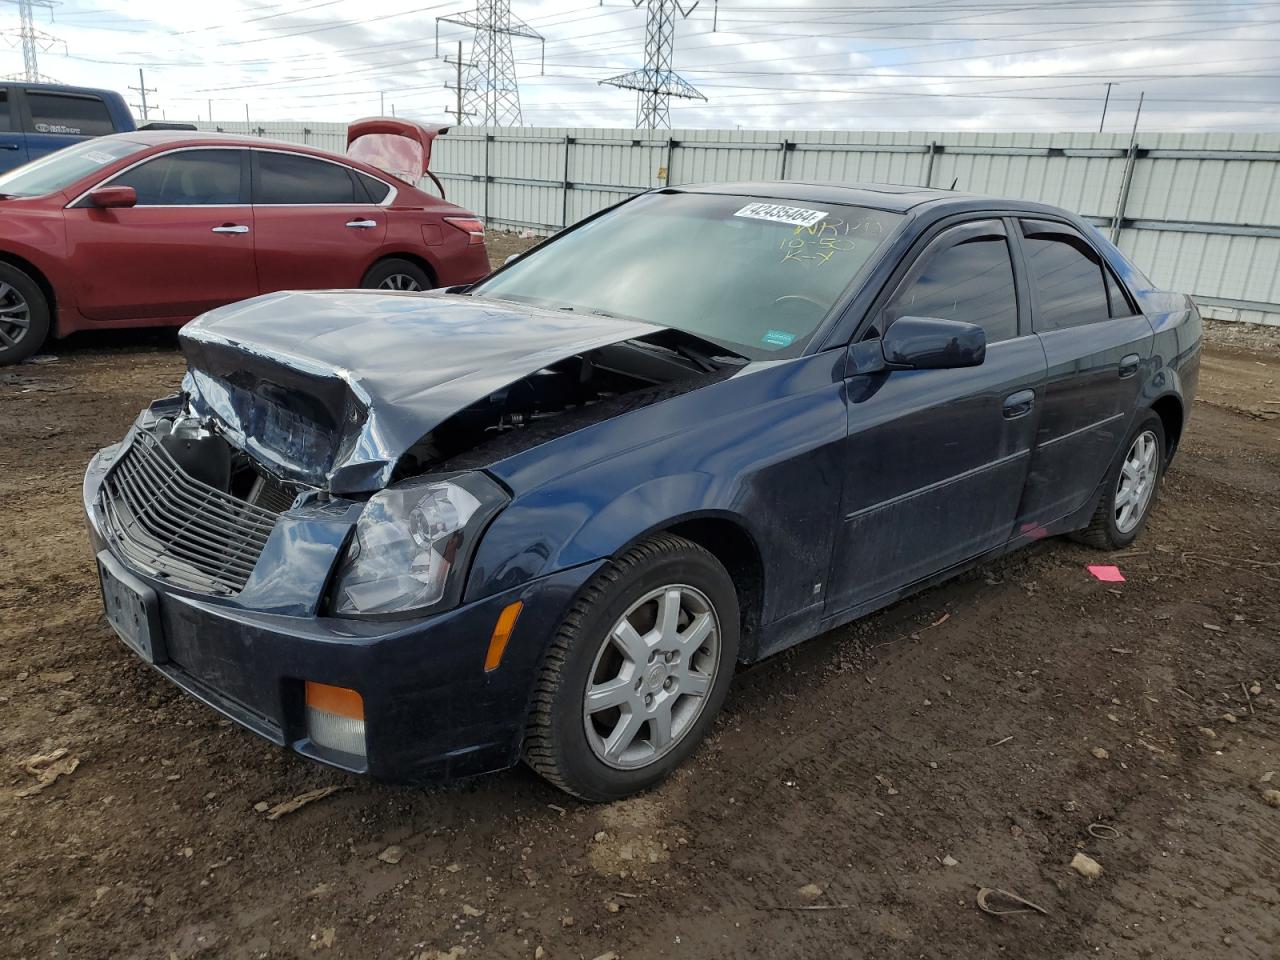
point(1131, 488)
point(397, 274)
point(24, 315)
point(637, 671)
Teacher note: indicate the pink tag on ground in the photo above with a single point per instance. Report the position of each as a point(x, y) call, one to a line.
point(1106, 574)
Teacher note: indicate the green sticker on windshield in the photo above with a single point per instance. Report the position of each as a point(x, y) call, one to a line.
point(777, 338)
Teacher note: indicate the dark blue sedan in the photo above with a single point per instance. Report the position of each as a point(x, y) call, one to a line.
point(426, 535)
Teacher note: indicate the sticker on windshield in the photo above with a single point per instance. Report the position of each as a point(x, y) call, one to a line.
point(97, 156)
point(777, 338)
point(777, 213)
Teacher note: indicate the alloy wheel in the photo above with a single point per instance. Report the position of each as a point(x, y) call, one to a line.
point(651, 677)
point(399, 281)
point(1137, 481)
point(15, 316)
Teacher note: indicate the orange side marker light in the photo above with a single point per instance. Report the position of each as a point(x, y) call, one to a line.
point(339, 701)
point(501, 634)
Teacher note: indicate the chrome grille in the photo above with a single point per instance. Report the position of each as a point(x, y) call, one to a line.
point(190, 533)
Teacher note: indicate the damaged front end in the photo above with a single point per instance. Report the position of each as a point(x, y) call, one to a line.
point(180, 503)
point(279, 421)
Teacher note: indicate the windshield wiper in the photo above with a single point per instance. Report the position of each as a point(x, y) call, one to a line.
point(697, 356)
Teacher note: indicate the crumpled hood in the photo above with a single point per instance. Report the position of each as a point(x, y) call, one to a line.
point(330, 388)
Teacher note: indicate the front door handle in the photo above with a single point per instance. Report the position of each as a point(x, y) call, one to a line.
point(9, 146)
point(1129, 365)
point(362, 224)
point(1018, 404)
point(231, 228)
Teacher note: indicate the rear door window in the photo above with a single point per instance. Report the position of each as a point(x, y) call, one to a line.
point(5, 123)
point(1068, 277)
point(963, 277)
point(189, 178)
point(376, 189)
point(72, 114)
point(1119, 302)
point(285, 178)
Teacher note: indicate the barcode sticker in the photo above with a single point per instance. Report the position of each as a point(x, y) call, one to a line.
point(777, 213)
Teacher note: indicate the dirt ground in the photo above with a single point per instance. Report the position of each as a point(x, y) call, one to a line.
point(854, 796)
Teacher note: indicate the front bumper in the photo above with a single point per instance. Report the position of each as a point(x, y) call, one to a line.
point(431, 710)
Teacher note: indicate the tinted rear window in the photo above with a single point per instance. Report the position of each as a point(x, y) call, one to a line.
point(1067, 276)
point(377, 190)
point(293, 179)
point(65, 113)
point(4, 111)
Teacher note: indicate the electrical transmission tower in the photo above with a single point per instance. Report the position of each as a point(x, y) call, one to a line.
point(657, 82)
point(491, 91)
point(33, 40)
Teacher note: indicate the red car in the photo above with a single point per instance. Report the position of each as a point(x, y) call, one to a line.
point(152, 228)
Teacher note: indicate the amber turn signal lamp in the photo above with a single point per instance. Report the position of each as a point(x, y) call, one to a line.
point(338, 700)
point(501, 634)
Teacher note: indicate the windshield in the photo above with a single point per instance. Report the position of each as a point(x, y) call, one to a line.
point(754, 274)
point(60, 169)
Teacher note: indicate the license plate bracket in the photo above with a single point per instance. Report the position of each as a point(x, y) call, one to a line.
point(132, 609)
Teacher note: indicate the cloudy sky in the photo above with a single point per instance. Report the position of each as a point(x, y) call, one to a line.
point(789, 64)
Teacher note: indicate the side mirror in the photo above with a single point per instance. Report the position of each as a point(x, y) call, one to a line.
point(928, 343)
point(108, 197)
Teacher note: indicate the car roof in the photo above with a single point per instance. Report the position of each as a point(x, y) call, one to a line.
point(156, 138)
point(57, 88)
point(890, 197)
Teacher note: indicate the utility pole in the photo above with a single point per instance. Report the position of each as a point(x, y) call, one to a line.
point(143, 90)
point(657, 82)
point(382, 104)
point(493, 90)
point(458, 111)
point(211, 111)
point(1105, 101)
point(1133, 137)
point(33, 40)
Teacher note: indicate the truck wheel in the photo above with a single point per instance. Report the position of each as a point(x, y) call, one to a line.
point(24, 315)
point(637, 671)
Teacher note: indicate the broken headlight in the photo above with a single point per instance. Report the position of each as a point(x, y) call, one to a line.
point(412, 545)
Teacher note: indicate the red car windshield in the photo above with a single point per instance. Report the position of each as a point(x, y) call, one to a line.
point(61, 169)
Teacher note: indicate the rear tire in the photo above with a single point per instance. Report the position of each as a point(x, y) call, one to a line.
point(397, 274)
point(24, 315)
point(637, 672)
point(1130, 489)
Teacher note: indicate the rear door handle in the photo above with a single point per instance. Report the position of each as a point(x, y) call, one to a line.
point(231, 228)
point(1018, 404)
point(9, 146)
point(1129, 365)
point(362, 224)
